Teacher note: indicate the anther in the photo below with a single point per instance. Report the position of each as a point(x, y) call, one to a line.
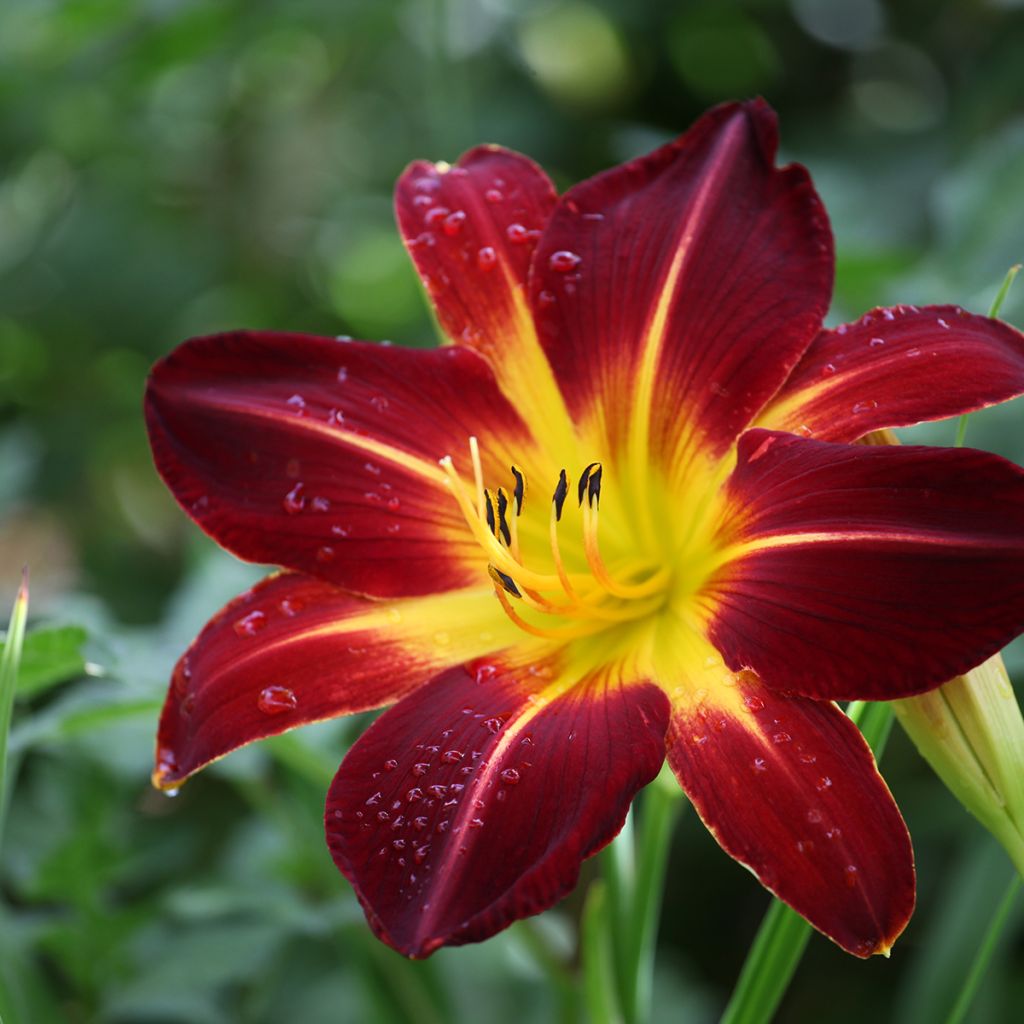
point(506, 534)
point(489, 509)
point(504, 581)
point(581, 488)
point(561, 490)
point(594, 487)
point(519, 492)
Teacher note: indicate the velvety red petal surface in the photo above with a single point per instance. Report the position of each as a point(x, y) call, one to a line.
point(295, 650)
point(468, 806)
point(321, 456)
point(865, 572)
point(471, 230)
point(700, 267)
point(789, 788)
point(898, 366)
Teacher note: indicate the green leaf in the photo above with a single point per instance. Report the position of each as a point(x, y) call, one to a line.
point(48, 657)
point(10, 661)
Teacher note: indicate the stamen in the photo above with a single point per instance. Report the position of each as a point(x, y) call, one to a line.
point(504, 581)
point(502, 520)
point(581, 488)
point(651, 585)
point(568, 633)
point(561, 490)
point(489, 506)
point(519, 491)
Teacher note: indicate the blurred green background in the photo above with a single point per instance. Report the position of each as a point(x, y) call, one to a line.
point(174, 167)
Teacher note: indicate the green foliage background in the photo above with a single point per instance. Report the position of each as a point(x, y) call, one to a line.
point(173, 167)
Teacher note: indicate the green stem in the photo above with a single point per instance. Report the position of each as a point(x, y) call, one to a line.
point(984, 954)
point(993, 311)
point(598, 967)
point(9, 663)
point(783, 935)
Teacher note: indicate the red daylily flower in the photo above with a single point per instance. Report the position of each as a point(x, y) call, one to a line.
point(618, 519)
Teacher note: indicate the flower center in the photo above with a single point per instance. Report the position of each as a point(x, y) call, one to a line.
point(550, 584)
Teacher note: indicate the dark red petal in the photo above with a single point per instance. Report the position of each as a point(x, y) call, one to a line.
point(471, 230)
point(861, 572)
point(898, 366)
point(789, 788)
point(468, 805)
point(321, 456)
point(295, 650)
point(685, 285)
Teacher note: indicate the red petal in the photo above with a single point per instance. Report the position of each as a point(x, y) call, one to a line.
point(468, 805)
point(471, 230)
point(898, 366)
point(789, 788)
point(685, 285)
point(861, 572)
point(322, 457)
point(295, 650)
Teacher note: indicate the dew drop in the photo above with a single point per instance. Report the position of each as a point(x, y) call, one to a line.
point(414, 794)
point(806, 758)
point(420, 769)
point(760, 765)
point(451, 756)
point(828, 370)
point(833, 833)
point(517, 234)
point(419, 823)
point(486, 258)
point(753, 703)
point(435, 216)
point(866, 406)
point(342, 374)
point(823, 783)
point(563, 261)
point(321, 504)
point(275, 699)
point(814, 816)
point(251, 624)
point(510, 776)
point(453, 223)
point(294, 501)
point(781, 737)
point(390, 765)
point(850, 875)
point(297, 404)
point(494, 196)
point(324, 554)
point(876, 342)
point(421, 853)
point(383, 816)
point(379, 402)
point(475, 823)
point(545, 299)
point(942, 323)
point(913, 353)
point(492, 725)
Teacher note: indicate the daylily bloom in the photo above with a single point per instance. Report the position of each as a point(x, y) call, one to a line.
point(619, 518)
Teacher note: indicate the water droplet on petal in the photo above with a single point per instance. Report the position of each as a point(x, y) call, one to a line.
point(781, 737)
point(486, 258)
point(866, 406)
point(379, 402)
point(517, 234)
point(850, 875)
point(814, 816)
point(828, 370)
point(823, 783)
point(275, 699)
point(760, 765)
point(251, 624)
point(510, 776)
point(435, 216)
point(390, 765)
point(324, 554)
point(753, 703)
point(451, 756)
point(453, 223)
point(493, 195)
point(563, 261)
point(876, 342)
point(294, 501)
point(297, 404)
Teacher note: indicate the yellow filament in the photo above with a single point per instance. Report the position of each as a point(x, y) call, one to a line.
point(651, 585)
point(478, 476)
